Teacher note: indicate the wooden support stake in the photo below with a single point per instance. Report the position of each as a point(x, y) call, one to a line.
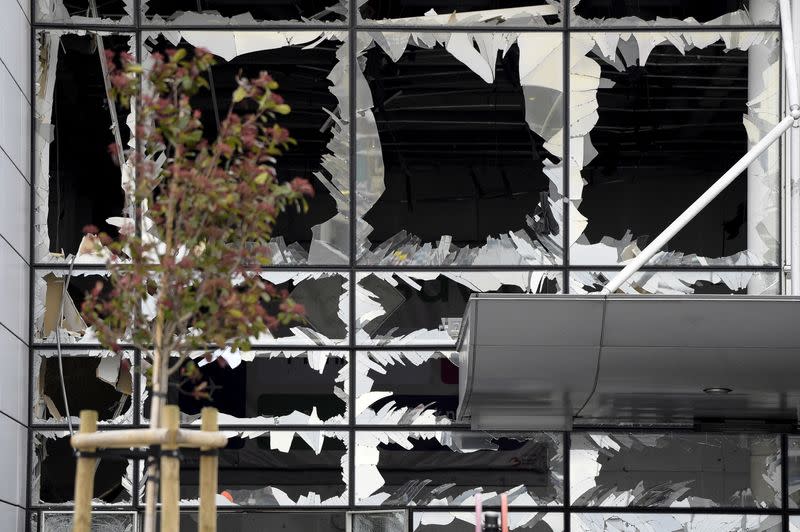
point(170, 471)
point(208, 477)
point(84, 478)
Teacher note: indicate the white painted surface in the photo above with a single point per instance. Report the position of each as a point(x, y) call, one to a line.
point(15, 113)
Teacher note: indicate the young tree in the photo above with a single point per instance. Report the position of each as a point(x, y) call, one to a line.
point(184, 272)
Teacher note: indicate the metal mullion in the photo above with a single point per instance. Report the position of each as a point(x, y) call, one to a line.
point(266, 26)
point(352, 58)
point(785, 481)
point(359, 268)
point(31, 259)
point(486, 28)
point(565, 166)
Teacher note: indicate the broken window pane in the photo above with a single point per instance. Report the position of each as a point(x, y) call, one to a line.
point(424, 308)
point(325, 298)
point(101, 522)
point(655, 12)
point(48, 291)
point(53, 480)
point(675, 522)
point(794, 471)
point(310, 68)
point(436, 468)
point(278, 468)
point(204, 12)
point(305, 521)
point(435, 12)
point(94, 380)
point(465, 521)
point(265, 388)
point(675, 469)
point(640, 145)
point(794, 524)
point(681, 282)
point(81, 12)
point(459, 149)
point(78, 182)
point(406, 388)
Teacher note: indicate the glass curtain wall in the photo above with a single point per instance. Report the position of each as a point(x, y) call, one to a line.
point(455, 147)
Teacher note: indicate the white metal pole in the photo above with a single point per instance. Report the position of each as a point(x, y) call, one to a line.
point(792, 87)
point(790, 21)
point(698, 205)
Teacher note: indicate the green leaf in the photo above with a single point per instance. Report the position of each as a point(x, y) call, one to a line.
point(239, 94)
point(180, 53)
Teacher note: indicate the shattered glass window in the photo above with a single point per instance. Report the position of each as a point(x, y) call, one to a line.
point(240, 12)
point(459, 149)
point(462, 12)
point(277, 468)
point(265, 388)
point(684, 282)
point(452, 468)
point(691, 12)
point(455, 185)
point(94, 380)
point(631, 522)
point(794, 472)
point(641, 148)
point(674, 469)
point(52, 298)
point(425, 521)
point(75, 125)
point(309, 68)
point(101, 522)
point(53, 467)
point(406, 388)
point(425, 308)
point(81, 12)
point(285, 521)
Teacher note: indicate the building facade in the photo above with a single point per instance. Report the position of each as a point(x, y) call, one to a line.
point(527, 146)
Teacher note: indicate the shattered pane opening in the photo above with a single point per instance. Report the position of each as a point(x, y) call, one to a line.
point(712, 12)
point(54, 473)
point(266, 521)
point(658, 124)
point(277, 469)
point(245, 11)
point(426, 307)
point(266, 388)
point(82, 11)
point(631, 522)
point(663, 470)
point(460, 159)
point(452, 468)
point(521, 12)
point(85, 186)
point(425, 521)
point(665, 102)
point(305, 76)
point(681, 282)
point(97, 380)
point(406, 388)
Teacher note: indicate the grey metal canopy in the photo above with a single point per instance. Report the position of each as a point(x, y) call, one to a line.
point(536, 362)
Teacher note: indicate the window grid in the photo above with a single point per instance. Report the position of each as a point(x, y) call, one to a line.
point(352, 27)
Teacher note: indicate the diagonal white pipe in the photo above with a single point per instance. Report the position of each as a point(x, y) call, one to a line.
point(698, 205)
